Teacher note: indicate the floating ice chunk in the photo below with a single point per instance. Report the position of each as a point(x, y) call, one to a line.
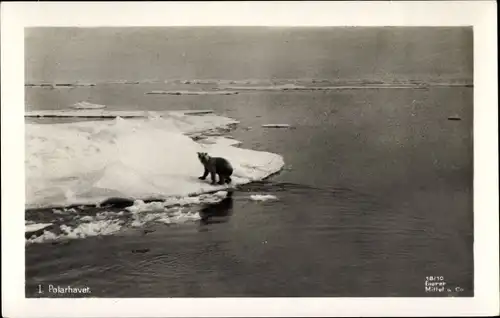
point(60, 85)
point(182, 201)
point(140, 206)
point(74, 84)
point(168, 216)
point(46, 236)
point(107, 214)
point(165, 219)
point(36, 227)
point(93, 228)
point(64, 211)
point(200, 199)
point(197, 111)
point(184, 217)
point(137, 223)
point(87, 105)
point(220, 194)
point(276, 126)
point(100, 227)
point(251, 86)
point(454, 117)
point(218, 92)
point(263, 197)
point(58, 211)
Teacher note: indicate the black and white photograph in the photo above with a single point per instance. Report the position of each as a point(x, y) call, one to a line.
point(249, 161)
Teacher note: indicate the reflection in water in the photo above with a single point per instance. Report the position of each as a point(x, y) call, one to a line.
point(217, 212)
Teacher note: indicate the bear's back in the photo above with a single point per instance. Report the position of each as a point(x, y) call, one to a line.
point(221, 164)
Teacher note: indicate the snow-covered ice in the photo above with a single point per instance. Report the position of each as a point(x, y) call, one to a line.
point(263, 197)
point(141, 206)
point(171, 215)
point(100, 227)
point(36, 227)
point(85, 229)
point(46, 236)
point(87, 105)
point(88, 162)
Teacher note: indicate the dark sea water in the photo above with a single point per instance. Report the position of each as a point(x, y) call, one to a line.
point(375, 195)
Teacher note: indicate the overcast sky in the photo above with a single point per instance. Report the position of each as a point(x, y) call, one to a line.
point(100, 54)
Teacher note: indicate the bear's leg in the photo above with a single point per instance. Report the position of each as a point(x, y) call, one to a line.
point(212, 175)
point(222, 178)
point(205, 174)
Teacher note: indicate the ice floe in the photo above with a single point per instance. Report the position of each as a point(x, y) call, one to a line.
point(148, 158)
point(215, 92)
point(84, 229)
point(141, 206)
point(276, 126)
point(87, 105)
point(36, 227)
point(263, 197)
